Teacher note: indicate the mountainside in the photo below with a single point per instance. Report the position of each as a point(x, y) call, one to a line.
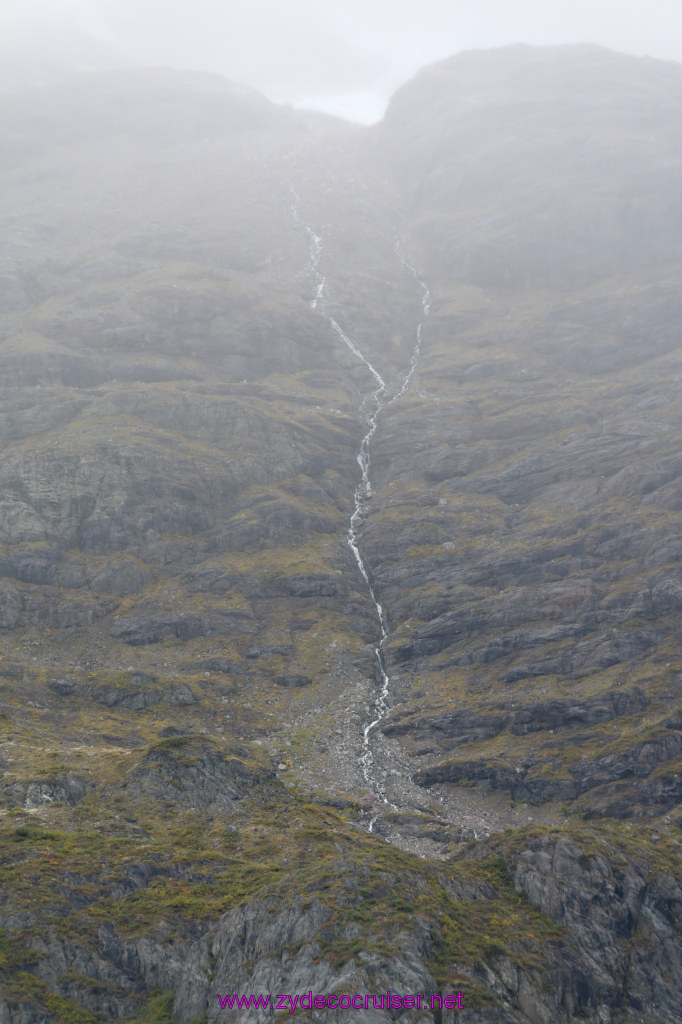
point(340, 548)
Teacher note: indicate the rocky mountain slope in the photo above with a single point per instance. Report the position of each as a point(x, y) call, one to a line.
point(241, 754)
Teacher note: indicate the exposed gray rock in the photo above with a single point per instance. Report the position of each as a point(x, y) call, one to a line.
point(67, 686)
point(11, 604)
point(41, 792)
point(563, 714)
point(113, 697)
point(225, 666)
point(604, 909)
point(193, 773)
point(450, 730)
point(121, 578)
point(30, 566)
point(293, 679)
point(530, 782)
point(149, 629)
point(315, 585)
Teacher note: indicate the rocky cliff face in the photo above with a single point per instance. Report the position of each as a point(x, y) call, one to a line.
point(239, 754)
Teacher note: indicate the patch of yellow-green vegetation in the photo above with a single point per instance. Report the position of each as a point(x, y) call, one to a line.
point(318, 649)
point(474, 930)
point(447, 692)
point(289, 515)
point(408, 495)
point(435, 549)
point(618, 843)
point(285, 849)
point(301, 741)
point(381, 888)
point(15, 955)
point(24, 988)
point(189, 748)
point(283, 493)
point(667, 769)
point(469, 510)
point(100, 761)
point(332, 395)
point(204, 897)
point(313, 556)
point(553, 753)
point(34, 342)
point(185, 746)
point(173, 272)
point(608, 739)
point(502, 751)
point(557, 750)
point(30, 677)
point(421, 534)
point(121, 679)
point(37, 755)
point(107, 769)
point(27, 545)
point(138, 434)
point(159, 1010)
point(200, 424)
point(458, 299)
point(183, 602)
point(104, 730)
point(644, 672)
point(35, 862)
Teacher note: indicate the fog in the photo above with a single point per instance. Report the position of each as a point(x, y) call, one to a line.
point(342, 57)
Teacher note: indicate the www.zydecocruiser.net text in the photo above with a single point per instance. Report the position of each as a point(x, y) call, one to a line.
point(385, 1001)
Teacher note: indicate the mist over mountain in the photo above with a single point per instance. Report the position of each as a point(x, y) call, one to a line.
point(340, 548)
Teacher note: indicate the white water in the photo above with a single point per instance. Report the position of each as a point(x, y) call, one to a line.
point(372, 407)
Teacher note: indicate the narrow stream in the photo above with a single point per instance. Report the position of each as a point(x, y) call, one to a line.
point(372, 406)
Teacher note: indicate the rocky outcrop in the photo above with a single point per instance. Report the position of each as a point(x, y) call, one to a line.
point(293, 679)
point(193, 773)
point(69, 789)
point(150, 629)
point(265, 948)
point(461, 727)
point(450, 730)
point(563, 714)
point(543, 781)
point(622, 920)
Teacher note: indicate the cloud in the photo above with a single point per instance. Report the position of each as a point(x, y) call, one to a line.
point(318, 48)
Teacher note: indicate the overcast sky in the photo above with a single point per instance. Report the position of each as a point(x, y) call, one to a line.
point(344, 55)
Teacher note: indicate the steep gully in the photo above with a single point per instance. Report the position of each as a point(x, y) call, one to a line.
point(372, 406)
